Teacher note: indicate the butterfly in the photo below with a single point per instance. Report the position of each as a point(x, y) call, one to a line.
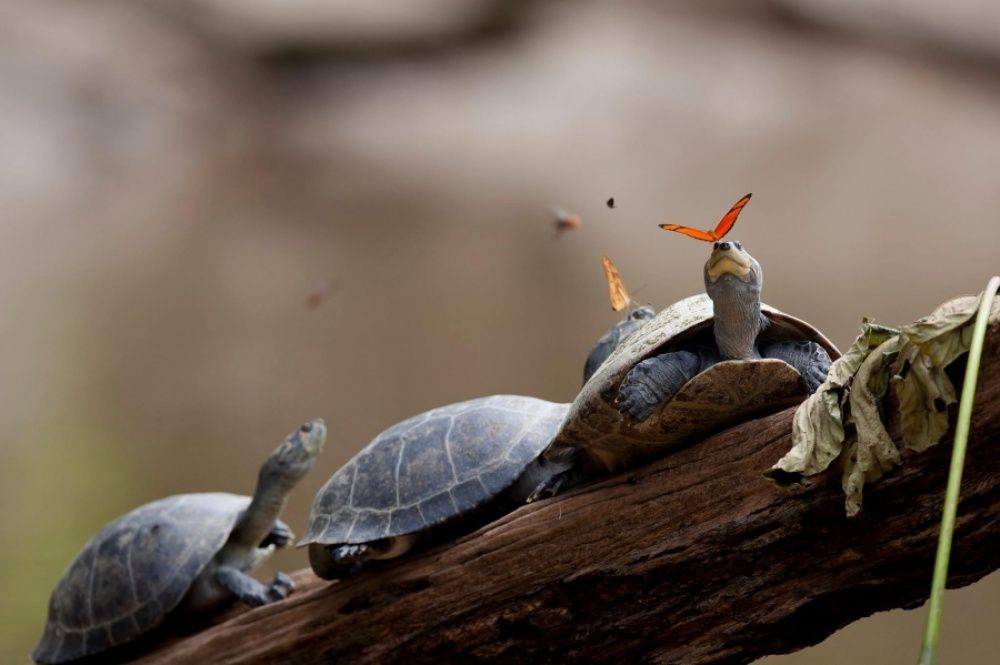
point(565, 221)
point(617, 294)
point(724, 226)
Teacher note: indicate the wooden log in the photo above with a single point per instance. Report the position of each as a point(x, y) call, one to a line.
point(695, 558)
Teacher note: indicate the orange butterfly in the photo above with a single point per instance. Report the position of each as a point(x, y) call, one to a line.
point(617, 294)
point(724, 226)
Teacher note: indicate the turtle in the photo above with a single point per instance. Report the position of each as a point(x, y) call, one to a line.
point(610, 340)
point(704, 363)
point(439, 473)
point(181, 555)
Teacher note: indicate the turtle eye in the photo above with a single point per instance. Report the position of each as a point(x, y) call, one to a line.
point(307, 428)
point(738, 244)
point(715, 245)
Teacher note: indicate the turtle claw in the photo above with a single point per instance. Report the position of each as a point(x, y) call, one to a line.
point(655, 381)
point(280, 536)
point(281, 586)
point(635, 400)
point(547, 488)
point(349, 553)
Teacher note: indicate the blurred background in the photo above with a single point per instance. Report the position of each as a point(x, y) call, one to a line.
point(219, 218)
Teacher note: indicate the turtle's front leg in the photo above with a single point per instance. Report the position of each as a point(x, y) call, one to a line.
point(280, 536)
point(808, 358)
point(655, 381)
point(333, 562)
point(250, 591)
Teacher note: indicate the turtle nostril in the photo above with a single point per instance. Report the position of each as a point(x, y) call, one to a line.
point(723, 245)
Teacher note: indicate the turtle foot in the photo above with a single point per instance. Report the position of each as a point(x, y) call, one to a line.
point(655, 381)
point(547, 488)
point(280, 587)
point(809, 358)
point(351, 553)
point(280, 536)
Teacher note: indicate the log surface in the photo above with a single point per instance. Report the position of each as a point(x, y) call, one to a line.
point(695, 558)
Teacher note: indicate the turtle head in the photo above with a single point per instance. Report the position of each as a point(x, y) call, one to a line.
point(733, 280)
point(643, 313)
point(730, 268)
point(295, 456)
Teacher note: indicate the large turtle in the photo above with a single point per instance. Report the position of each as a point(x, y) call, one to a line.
point(182, 554)
point(700, 365)
point(454, 467)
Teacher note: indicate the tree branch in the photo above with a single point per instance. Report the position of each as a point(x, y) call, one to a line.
point(695, 558)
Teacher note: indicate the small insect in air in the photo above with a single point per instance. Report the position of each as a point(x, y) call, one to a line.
point(724, 226)
point(611, 203)
point(317, 295)
point(565, 221)
point(617, 293)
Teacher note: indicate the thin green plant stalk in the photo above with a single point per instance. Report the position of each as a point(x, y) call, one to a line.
point(932, 630)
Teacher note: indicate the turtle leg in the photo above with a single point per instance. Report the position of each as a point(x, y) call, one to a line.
point(250, 591)
point(280, 536)
point(559, 481)
point(655, 380)
point(333, 562)
point(571, 470)
point(349, 554)
point(808, 358)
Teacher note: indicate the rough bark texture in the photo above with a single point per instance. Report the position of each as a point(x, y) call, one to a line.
point(695, 558)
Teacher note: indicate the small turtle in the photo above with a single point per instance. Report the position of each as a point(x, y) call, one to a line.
point(455, 466)
point(700, 365)
point(182, 554)
point(610, 340)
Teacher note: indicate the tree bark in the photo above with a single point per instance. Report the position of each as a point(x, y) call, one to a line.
point(695, 558)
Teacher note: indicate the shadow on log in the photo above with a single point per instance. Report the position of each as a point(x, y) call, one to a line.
point(695, 558)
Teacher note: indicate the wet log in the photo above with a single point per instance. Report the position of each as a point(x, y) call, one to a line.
point(695, 558)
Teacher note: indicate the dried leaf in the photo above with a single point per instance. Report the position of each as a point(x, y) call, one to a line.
point(844, 417)
point(943, 335)
point(924, 392)
point(872, 451)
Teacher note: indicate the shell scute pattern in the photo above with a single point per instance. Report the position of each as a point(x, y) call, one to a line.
point(488, 424)
point(437, 508)
point(405, 520)
point(372, 475)
point(432, 467)
point(424, 457)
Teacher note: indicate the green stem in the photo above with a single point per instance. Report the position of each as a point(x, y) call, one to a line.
point(928, 653)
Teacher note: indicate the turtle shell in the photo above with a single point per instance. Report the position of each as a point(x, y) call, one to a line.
point(134, 572)
point(727, 393)
point(432, 468)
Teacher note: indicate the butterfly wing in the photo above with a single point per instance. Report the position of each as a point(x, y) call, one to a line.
point(728, 220)
point(616, 288)
point(697, 234)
